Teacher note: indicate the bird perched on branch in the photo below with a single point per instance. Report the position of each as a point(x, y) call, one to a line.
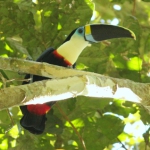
point(34, 116)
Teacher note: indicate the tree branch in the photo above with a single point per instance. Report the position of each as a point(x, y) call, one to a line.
point(87, 84)
point(37, 68)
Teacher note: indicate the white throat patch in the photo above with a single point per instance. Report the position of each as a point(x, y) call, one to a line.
point(71, 49)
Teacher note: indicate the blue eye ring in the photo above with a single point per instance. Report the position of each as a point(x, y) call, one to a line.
point(80, 30)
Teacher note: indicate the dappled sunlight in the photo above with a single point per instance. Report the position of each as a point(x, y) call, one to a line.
point(135, 63)
point(28, 28)
point(117, 7)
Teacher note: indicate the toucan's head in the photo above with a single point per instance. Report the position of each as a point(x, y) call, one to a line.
point(79, 38)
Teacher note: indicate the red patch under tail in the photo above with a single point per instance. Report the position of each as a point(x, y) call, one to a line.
point(38, 109)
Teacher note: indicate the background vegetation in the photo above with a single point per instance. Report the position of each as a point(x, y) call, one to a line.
point(29, 27)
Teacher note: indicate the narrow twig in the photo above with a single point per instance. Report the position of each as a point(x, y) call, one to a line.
point(3, 80)
point(11, 80)
point(12, 121)
point(134, 5)
point(107, 43)
point(8, 112)
point(145, 146)
point(100, 113)
point(122, 144)
point(66, 118)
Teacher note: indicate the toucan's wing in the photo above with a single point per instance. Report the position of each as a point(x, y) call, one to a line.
point(45, 54)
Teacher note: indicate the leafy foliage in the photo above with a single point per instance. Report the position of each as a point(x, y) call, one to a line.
point(29, 27)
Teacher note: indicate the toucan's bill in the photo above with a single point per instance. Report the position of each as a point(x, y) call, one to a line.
point(100, 32)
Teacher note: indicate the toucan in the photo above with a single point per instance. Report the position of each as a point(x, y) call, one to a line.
point(34, 116)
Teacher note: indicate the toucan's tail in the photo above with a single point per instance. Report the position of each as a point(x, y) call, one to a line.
point(34, 117)
point(33, 123)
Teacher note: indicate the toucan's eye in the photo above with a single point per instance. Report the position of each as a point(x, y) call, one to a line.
point(80, 30)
